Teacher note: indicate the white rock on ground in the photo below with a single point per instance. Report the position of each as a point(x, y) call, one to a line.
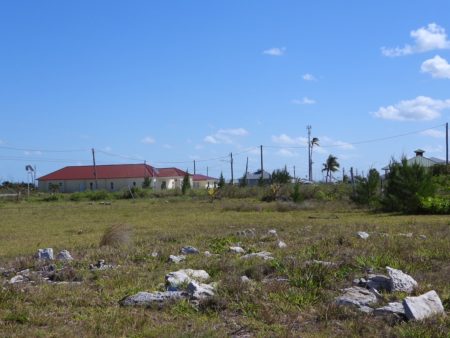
point(324, 263)
point(362, 234)
point(237, 249)
point(200, 290)
point(45, 254)
point(395, 308)
point(185, 276)
point(401, 281)
point(359, 297)
point(151, 298)
point(189, 250)
point(282, 244)
point(424, 306)
point(245, 279)
point(18, 279)
point(272, 232)
point(263, 254)
point(64, 255)
point(176, 259)
point(154, 254)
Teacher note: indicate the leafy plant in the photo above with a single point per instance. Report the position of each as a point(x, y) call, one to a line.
point(186, 184)
point(367, 188)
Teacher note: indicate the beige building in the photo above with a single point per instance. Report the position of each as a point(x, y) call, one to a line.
point(204, 182)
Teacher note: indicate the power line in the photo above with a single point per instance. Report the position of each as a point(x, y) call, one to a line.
point(43, 150)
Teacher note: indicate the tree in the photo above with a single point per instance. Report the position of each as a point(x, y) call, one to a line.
point(186, 184)
point(367, 188)
point(281, 176)
point(331, 165)
point(221, 183)
point(146, 183)
point(314, 142)
point(406, 185)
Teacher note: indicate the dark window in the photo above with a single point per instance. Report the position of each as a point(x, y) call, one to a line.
point(91, 185)
point(134, 184)
point(112, 185)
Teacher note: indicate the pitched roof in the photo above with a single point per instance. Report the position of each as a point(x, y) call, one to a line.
point(103, 172)
point(200, 177)
point(169, 172)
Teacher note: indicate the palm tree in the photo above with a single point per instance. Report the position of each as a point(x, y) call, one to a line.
point(331, 165)
point(314, 142)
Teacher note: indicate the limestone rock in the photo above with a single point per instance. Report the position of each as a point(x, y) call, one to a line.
point(424, 306)
point(176, 259)
point(18, 279)
point(100, 265)
point(282, 244)
point(64, 255)
point(272, 232)
point(200, 290)
point(189, 250)
point(245, 279)
point(395, 308)
point(152, 298)
point(401, 281)
point(185, 276)
point(263, 254)
point(237, 249)
point(155, 254)
point(362, 234)
point(247, 233)
point(45, 254)
point(324, 263)
point(359, 297)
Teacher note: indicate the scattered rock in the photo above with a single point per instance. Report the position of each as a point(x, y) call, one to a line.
point(362, 282)
point(237, 249)
point(45, 254)
point(379, 282)
point(64, 255)
point(275, 280)
point(362, 234)
point(359, 297)
point(282, 244)
point(424, 306)
point(395, 308)
point(189, 250)
point(263, 254)
point(152, 298)
point(324, 263)
point(408, 235)
point(100, 265)
point(18, 279)
point(7, 272)
point(400, 281)
point(422, 237)
point(176, 259)
point(245, 279)
point(200, 291)
point(272, 232)
point(247, 233)
point(155, 254)
point(207, 254)
point(185, 276)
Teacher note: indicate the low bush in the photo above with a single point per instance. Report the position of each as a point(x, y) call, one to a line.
point(116, 235)
point(435, 205)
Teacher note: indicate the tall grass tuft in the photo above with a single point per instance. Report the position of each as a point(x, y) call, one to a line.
point(117, 235)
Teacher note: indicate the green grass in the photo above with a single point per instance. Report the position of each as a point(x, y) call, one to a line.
point(303, 306)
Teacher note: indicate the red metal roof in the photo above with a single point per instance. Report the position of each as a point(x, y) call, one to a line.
point(103, 172)
point(200, 177)
point(112, 171)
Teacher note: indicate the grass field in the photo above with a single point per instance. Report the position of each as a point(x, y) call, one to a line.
point(302, 306)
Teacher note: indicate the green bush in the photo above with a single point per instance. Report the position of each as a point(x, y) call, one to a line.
point(367, 188)
point(435, 205)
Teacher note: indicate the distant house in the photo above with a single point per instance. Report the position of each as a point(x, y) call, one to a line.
point(111, 178)
point(253, 179)
point(420, 160)
point(203, 181)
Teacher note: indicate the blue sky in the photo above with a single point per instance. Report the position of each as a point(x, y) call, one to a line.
point(174, 81)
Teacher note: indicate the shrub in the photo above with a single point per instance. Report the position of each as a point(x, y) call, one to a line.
point(406, 186)
point(435, 205)
point(295, 195)
point(116, 235)
point(367, 188)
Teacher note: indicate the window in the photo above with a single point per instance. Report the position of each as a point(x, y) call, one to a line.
point(112, 185)
point(91, 185)
point(134, 184)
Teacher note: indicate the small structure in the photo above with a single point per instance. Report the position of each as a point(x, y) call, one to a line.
point(111, 178)
point(253, 179)
point(420, 160)
point(204, 182)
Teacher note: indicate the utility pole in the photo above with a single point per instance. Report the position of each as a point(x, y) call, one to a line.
point(232, 171)
point(95, 169)
point(309, 153)
point(446, 145)
point(294, 174)
point(353, 180)
point(262, 163)
point(194, 168)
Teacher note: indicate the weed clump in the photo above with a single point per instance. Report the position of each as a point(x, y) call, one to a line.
point(117, 235)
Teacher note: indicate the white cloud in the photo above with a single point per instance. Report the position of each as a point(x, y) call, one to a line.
point(32, 152)
point(199, 146)
point(433, 133)
point(438, 67)
point(439, 149)
point(148, 140)
point(288, 140)
point(309, 77)
point(326, 141)
point(427, 38)
point(286, 153)
point(225, 136)
point(304, 100)
point(275, 51)
point(422, 108)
